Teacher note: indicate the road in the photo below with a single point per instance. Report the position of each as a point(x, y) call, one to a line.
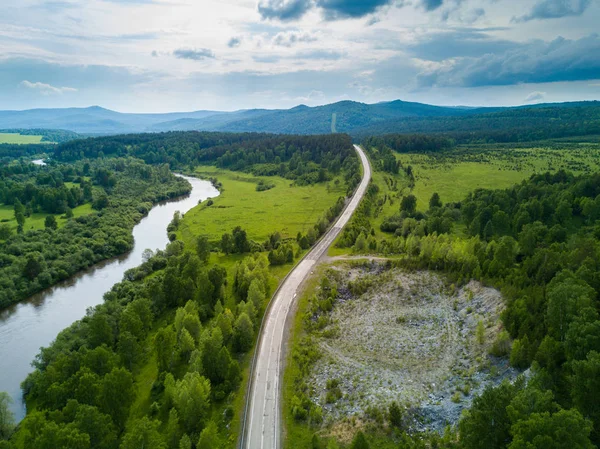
point(262, 426)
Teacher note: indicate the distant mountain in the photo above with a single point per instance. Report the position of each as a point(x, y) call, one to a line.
point(92, 120)
point(350, 117)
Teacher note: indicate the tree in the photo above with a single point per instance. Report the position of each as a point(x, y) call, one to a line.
point(50, 222)
point(395, 415)
point(5, 231)
point(567, 296)
point(100, 202)
point(191, 396)
point(566, 429)
point(435, 201)
point(117, 393)
point(143, 434)
point(409, 204)
point(7, 419)
point(240, 241)
point(164, 345)
point(203, 248)
point(256, 294)
point(173, 434)
point(487, 424)
point(243, 333)
point(34, 265)
point(585, 388)
point(209, 437)
point(226, 243)
point(359, 441)
point(128, 349)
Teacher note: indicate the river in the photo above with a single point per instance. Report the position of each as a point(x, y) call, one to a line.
point(35, 322)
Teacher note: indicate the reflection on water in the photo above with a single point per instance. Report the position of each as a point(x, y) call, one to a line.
point(35, 322)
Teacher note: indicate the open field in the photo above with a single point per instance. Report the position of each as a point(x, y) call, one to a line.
point(454, 174)
point(409, 338)
point(19, 138)
point(36, 221)
point(284, 209)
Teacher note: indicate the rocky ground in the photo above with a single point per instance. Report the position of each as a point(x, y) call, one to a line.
point(410, 338)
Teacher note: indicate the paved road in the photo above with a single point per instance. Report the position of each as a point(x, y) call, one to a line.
point(262, 428)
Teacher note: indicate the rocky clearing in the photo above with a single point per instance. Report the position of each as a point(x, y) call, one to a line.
point(410, 338)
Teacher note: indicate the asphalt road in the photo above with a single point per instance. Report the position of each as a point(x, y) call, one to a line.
point(262, 427)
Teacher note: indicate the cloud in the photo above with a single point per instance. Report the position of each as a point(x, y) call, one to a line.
point(536, 62)
point(439, 46)
point(234, 42)
point(320, 54)
point(535, 96)
point(291, 38)
point(342, 9)
point(267, 59)
point(195, 54)
point(46, 89)
point(555, 9)
point(284, 9)
point(431, 5)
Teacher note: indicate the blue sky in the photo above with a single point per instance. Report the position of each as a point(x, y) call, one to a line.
point(176, 55)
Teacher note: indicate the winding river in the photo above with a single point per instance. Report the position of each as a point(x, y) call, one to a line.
point(35, 322)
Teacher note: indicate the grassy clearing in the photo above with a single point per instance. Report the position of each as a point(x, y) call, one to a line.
point(36, 220)
point(285, 209)
point(15, 138)
point(454, 175)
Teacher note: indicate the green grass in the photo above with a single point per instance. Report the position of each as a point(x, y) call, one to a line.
point(19, 138)
point(284, 209)
point(36, 220)
point(454, 175)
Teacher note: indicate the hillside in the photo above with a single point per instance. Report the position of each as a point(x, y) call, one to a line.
point(522, 123)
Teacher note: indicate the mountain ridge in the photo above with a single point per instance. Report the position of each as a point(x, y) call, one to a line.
point(351, 117)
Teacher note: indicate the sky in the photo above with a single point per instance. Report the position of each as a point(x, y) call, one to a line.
point(184, 55)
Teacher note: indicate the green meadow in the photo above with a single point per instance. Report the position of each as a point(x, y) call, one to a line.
point(285, 208)
point(36, 220)
point(454, 174)
point(18, 138)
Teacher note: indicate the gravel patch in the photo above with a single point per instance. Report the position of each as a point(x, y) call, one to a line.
point(409, 338)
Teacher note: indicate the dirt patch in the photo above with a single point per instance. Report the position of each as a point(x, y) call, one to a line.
point(409, 338)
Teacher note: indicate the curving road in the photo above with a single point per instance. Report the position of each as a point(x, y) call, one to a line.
point(262, 425)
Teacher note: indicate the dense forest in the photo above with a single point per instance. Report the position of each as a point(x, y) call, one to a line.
point(120, 191)
point(10, 152)
point(511, 125)
point(304, 159)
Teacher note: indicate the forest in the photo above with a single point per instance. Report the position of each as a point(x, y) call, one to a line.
point(120, 191)
point(524, 124)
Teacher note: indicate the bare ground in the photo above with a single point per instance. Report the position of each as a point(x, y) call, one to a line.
point(412, 339)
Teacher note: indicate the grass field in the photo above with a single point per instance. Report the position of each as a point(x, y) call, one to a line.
point(454, 175)
point(36, 221)
point(19, 138)
point(284, 209)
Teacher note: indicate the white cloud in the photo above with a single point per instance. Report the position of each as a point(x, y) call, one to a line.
point(46, 89)
point(535, 96)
